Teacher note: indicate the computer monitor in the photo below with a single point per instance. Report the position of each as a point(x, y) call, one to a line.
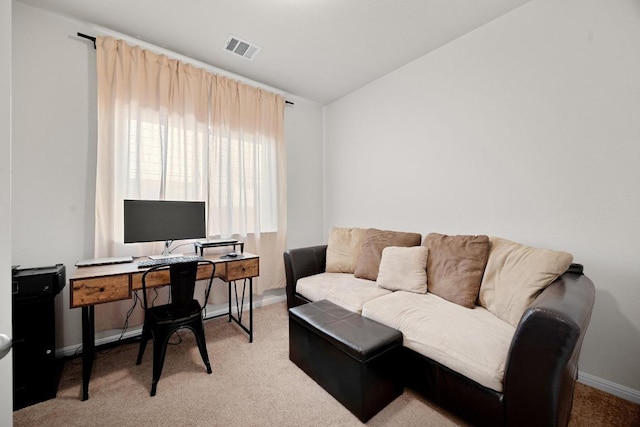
point(163, 220)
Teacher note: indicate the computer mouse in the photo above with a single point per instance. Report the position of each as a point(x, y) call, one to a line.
point(232, 254)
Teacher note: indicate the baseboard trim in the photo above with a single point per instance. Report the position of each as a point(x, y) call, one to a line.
point(610, 387)
point(212, 310)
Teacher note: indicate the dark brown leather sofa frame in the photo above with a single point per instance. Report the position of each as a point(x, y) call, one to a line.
point(542, 365)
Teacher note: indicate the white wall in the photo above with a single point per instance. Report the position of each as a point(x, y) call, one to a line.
point(526, 128)
point(54, 151)
point(6, 388)
point(303, 130)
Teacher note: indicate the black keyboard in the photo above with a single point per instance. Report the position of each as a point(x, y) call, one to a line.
point(168, 261)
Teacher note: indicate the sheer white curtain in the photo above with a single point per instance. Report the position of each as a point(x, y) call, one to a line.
point(170, 131)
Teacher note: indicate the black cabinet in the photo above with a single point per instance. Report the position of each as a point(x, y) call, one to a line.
point(35, 373)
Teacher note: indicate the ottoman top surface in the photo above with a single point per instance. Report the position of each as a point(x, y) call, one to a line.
point(358, 336)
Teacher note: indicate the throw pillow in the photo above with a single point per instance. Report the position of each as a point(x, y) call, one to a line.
point(343, 249)
point(455, 266)
point(514, 276)
point(403, 269)
point(371, 253)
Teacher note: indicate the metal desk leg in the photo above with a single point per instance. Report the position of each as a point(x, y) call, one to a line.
point(240, 306)
point(88, 347)
point(251, 309)
point(229, 285)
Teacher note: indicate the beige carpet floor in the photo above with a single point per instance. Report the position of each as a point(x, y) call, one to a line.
point(251, 385)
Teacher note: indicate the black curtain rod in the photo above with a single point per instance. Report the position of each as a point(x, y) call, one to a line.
point(93, 39)
point(84, 36)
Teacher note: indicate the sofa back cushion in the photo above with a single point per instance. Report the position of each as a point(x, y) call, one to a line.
point(343, 249)
point(375, 241)
point(455, 266)
point(403, 269)
point(516, 274)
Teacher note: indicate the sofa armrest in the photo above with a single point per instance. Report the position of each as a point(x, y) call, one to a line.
point(542, 365)
point(302, 262)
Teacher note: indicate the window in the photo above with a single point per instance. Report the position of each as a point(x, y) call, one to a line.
point(173, 163)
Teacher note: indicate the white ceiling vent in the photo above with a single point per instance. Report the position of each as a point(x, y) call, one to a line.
point(241, 47)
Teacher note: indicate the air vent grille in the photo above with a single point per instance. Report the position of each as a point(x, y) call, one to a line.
point(241, 47)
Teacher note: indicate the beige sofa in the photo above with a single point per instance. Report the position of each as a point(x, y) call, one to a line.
point(462, 304)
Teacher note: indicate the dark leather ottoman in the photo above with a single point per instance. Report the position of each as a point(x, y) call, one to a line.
point(354, 358)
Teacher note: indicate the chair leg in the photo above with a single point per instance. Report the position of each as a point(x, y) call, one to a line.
point(159, 352)
point(143, 342)
point(202, 344)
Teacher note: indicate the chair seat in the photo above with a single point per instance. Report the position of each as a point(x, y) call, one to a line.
point(168, 314)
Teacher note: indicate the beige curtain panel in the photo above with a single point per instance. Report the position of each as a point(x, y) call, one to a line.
point(170, 131)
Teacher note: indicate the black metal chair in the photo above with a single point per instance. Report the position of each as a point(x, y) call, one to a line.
point(160, 322)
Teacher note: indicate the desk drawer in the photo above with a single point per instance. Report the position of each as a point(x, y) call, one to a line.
point(98, 290)
point(241, 269)
point(162, 277)
point(157, 278)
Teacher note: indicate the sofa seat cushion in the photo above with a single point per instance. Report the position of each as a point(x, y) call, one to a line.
point(473, 342)
point(342, 289)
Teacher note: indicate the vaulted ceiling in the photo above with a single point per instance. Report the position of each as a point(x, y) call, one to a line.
point(320, 50)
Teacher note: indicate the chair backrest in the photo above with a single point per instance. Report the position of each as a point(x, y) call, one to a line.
point(182, 281)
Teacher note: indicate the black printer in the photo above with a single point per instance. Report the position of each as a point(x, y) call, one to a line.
point(35, 369)
point(39, 281)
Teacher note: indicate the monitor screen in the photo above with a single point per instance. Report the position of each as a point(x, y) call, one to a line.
point(163, 220)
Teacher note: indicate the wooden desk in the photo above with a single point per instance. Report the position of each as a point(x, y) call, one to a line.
point(93, 285)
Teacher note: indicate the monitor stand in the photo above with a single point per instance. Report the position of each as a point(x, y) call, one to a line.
point(166, 253)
